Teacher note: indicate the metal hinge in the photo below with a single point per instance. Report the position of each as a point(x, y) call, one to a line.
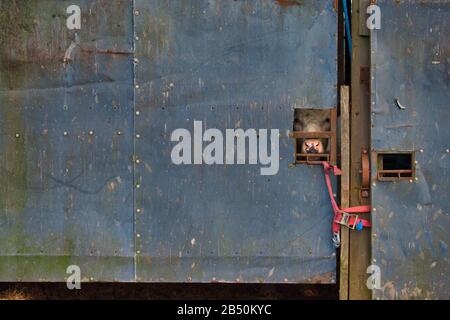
point(365, 174)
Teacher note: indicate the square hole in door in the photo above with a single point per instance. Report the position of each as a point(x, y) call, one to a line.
point(314, 133)
point(395, 166)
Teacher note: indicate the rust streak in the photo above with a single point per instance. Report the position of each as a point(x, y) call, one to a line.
point(106, 51)
point(288, 3)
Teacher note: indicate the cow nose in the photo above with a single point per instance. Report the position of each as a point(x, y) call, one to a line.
point(312, 149)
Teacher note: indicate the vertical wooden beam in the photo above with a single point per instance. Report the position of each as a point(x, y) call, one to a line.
point(360, 139)
point(334, 138)
point(345, 191)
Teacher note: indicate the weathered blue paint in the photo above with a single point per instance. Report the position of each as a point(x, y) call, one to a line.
point(66, 199)
point(231, 64)
point(411, 225)
point(73, 198)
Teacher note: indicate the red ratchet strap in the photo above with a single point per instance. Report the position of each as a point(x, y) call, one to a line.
point(343, 217)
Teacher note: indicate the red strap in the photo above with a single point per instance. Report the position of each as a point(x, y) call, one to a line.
point(353, 220)
point(360, 209)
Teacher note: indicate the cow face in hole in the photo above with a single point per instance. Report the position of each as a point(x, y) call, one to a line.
point(309, 120)
point(312, 146)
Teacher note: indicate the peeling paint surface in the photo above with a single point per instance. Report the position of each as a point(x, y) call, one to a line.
point(411, 225)
point(79, 108)
point(66, 179)
point(231, 64)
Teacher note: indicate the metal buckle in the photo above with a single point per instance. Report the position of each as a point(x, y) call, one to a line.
point(345, 220)
point(336, 240)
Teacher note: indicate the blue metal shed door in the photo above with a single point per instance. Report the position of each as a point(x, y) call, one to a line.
point(410, 114)
point(231, 64)
point(66, 141)
point(86, 118)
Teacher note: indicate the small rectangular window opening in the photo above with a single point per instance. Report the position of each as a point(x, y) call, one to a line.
point(314, 134)
point(395, 166)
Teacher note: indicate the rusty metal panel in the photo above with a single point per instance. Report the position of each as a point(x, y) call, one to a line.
point(410, 113)
point(66, 143)
point(231, 64)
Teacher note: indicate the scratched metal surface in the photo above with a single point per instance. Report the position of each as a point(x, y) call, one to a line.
point(66, 199)
point(411, 232)
point(231, 64)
